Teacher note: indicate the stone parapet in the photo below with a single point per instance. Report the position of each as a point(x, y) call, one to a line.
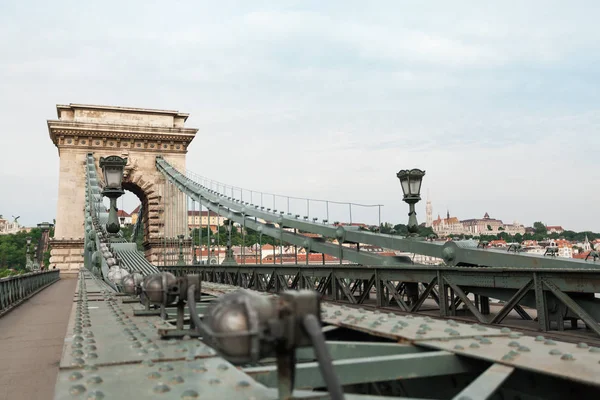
point(66, 255)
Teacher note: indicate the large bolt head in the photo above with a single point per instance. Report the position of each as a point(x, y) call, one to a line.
point(153, 288)
point(131, 283)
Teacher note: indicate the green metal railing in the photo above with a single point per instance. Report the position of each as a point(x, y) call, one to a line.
point(16, 289)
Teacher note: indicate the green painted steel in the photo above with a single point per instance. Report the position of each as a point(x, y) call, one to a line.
point(370, 369)
point(511, 285)
point(486, 384)
point(340, 350)
point(454, 253)
point(16, 289)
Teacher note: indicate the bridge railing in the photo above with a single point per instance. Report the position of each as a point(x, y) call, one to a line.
point(16, 289)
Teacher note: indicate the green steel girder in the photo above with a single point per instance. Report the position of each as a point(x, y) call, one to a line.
point(370, 369)
point(487, 383)
point(454, 253)
point(343, 350)
point(532, 288)
point(581, 281)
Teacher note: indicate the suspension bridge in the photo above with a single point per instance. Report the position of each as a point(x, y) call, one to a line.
point(485, 323)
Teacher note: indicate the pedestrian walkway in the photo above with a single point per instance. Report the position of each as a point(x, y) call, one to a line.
point(31, 342)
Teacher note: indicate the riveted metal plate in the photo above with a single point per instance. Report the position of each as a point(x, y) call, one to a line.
point(403, 327)
point(578, 362)
point(211, 378)
point(105, 332)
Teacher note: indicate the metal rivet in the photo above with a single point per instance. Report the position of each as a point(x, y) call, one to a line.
point(243, 384)
point(485, 341)
point(94, 380)
point(189, 395)
point(154, 375)
point(421, 332)
point(77, 390)
point(77, 353)
point(594, 349)
point(198, 368)
point(523, 349)
point(505, 330)
point(223, 367)
point(555, 352)
point(514, 344)
point(214, 381)
point(539, 338)
point(176, 380)
point(567, 357)
point(550, 342)
point(78, 362)
point(161, 388)
point(514, 335)
point(75, 376)
point(474, 345)
point(95, 395)
point(582, 345)
point(91, 355)
point(458, 347)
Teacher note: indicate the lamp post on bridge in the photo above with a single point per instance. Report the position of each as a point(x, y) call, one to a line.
point(28, 262)
point(180, 260)
point(36, 265)
point(411, 180)
point(112, 168)
point(229, 258)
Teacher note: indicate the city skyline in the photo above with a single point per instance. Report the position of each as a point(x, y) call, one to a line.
point(497, 103)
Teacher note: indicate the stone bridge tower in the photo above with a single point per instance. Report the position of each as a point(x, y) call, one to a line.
point(139, 134)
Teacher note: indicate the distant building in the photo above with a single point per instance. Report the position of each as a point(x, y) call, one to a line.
point(554, 229)
point(197, 219)
point(483, 226)
point(134, 214)
point(7, 227)
point(448, 226)
point(124, 218)
point(428, 213)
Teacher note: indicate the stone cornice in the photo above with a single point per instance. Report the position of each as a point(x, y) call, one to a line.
point(70, 242)
point(136, 110)
point(58, 128)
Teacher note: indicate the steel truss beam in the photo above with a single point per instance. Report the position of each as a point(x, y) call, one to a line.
point(370, 369)
point(537, 289)
point(487, 383)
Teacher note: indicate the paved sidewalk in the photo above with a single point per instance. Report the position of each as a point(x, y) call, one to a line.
point(31, 342)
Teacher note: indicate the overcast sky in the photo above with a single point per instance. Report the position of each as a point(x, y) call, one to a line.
point(499, 103)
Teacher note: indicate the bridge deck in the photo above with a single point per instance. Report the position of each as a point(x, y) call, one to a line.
point(31, 342)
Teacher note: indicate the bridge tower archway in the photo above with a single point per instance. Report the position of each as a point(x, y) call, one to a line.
point(136, 133)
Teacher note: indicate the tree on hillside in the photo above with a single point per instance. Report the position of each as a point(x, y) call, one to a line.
point(540, 228)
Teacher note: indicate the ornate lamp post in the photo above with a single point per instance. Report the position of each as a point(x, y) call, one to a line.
point(180, 260)
point(194, 256)
point(28, 262)
point(229, 258)
point(36, 265)
point(411, 180)
point(112, 168)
